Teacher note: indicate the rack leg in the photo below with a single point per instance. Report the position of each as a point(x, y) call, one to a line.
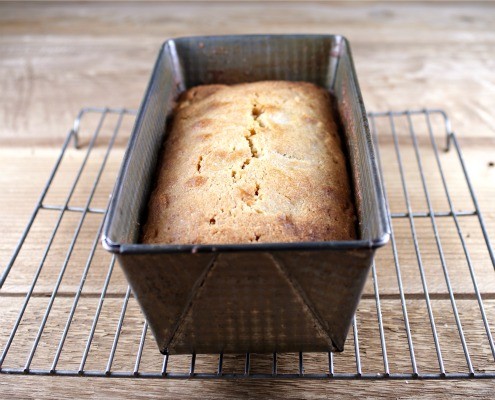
point(448, 141)
point(75, 128)
point(75, 135)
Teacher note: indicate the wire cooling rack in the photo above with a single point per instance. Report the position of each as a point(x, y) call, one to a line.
point(67, 311)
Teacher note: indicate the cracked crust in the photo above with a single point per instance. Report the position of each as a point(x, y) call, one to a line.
point(254, 162)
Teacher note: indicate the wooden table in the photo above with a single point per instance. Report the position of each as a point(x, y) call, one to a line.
point(57, 58)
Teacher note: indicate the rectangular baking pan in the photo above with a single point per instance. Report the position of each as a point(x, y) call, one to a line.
point(276, 297)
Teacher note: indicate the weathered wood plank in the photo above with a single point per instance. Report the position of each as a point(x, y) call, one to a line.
point(369, 339)
point(56, 58)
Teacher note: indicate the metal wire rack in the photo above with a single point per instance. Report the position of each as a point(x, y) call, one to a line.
point(67, 311)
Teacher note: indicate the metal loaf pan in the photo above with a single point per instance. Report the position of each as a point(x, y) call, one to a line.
point(249, 297)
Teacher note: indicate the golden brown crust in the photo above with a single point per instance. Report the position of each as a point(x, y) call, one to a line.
point(254, 162)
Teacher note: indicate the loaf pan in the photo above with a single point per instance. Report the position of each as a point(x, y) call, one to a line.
point(274, 297)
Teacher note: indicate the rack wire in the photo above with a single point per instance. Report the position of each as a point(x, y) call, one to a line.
point(67, 311)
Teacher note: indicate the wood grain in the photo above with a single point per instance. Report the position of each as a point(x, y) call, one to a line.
point(56, 58)
point(28, 387)
point(59, 57)
point(314, 363)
